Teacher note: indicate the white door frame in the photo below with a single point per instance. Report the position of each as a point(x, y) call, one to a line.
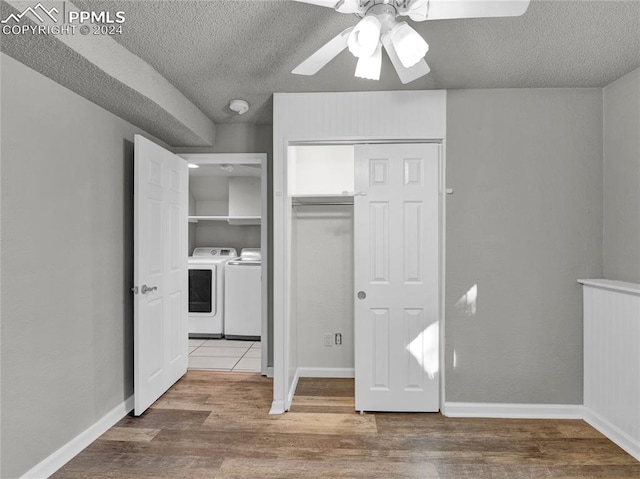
point(283, 395)
point(249, 159)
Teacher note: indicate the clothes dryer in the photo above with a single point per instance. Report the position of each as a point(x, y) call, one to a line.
point(243, 296)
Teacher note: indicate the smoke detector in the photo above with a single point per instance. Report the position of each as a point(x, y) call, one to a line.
point(239, 106)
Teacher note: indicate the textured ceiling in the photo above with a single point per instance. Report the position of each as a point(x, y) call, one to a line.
point(107, 74)
point(214, 51)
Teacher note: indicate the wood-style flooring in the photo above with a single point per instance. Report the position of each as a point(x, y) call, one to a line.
point(216, 425)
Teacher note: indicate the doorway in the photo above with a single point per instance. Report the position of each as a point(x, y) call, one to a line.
point(347, 118)
point(161, 273)
point(369, 216)
point(228, 211)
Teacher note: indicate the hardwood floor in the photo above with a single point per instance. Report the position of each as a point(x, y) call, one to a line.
point(216, 425)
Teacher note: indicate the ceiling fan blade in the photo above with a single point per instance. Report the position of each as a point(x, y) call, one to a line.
point(406, 75)
point(322, 3)
point(420, 10)
point(342, 6)
point(324, 55)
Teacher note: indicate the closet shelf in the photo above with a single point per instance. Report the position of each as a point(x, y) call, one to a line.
point(338, 199)
point(195, 219)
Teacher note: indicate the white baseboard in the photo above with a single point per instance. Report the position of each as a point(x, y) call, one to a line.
point(277, 407)
point(59, 458)
point(522, 411)
point(326, 373)
point(613, 432)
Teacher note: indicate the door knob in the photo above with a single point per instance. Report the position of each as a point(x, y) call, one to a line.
point(362, 295)
point(146, 289)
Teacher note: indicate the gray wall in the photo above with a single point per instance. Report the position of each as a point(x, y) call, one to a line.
point(238, 138)
point(622, 179)
point(524, 223)
point(323, 257)
point(220, 233)
point(67, 226)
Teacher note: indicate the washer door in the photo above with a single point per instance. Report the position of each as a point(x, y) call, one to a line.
point(202, 290)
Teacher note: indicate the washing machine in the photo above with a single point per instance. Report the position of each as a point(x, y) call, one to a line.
point(206, 291)
point(243, 296)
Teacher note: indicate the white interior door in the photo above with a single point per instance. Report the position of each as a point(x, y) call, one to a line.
point(160, 271)
point(397, 277)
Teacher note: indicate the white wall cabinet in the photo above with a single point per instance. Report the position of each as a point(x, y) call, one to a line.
point(245, 201)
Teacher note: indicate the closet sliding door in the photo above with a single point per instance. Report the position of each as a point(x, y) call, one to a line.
point(396, 209)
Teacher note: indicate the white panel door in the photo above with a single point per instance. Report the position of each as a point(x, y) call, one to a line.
point(160, 271)
point(396, 277)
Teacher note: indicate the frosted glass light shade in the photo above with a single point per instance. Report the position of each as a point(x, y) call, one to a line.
point(364, 38)
point(409, 45)
point(369, 67)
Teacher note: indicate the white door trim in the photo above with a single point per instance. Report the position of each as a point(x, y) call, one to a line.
point(442, 195)
point(225, 158)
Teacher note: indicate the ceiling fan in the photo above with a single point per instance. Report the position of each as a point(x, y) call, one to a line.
point(379, 27)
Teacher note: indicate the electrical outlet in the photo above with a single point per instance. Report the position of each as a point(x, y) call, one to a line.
point(338, 337)
point(328, 339)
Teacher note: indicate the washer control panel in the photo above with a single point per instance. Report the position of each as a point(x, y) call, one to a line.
point(217, 252)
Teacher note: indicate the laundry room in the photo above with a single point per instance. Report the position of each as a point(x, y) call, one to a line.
point(225, 240)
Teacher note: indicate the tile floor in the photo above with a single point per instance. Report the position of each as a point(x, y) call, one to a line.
point(224, 355)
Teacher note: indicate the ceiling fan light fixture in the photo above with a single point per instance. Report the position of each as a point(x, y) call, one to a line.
point(409, 45)
point(365, 37)
point(370, 67)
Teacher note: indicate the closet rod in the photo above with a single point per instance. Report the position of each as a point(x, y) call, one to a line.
point(322, 204)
